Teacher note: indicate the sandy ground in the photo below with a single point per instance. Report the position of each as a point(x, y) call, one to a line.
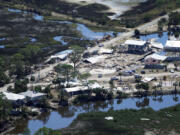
point(115, 6)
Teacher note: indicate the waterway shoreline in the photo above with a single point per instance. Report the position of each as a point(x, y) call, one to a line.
point(167, 92)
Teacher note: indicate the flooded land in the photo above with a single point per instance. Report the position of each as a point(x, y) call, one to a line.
point(65, 116)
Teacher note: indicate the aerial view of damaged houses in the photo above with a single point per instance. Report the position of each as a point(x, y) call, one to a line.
point(89, 67)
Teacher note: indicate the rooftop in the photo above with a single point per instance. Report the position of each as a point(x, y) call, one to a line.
point(156, 56)
point(13, 97)
point(171, 43)
point(105, 50)
point(157, 45)
point(135, 42)
point(95, 59)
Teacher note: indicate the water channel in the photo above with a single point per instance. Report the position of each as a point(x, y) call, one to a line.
point(65, 116)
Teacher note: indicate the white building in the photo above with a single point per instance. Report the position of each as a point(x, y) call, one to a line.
point(156, 45)
point(154, 61)
point(172, 46)
point(13, 97)
point(173, 50)
point(105, 51)
point(95, 59)
point(61, 55)
point(81, 89)
point(136, 46)
point(31, 95)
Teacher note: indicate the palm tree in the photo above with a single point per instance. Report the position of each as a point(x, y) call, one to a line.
point(175, 87)
point(66, 71)
point(155, 92)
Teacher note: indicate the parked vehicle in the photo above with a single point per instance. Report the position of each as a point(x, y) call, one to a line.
point(143, 72)
point(136, 76)
point(114, 78)
point(172, 71)
point(99, 75)
point(101, 45)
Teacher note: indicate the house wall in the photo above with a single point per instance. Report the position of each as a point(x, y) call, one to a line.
point(137, 48)
point(151, 61)
point(172, 49)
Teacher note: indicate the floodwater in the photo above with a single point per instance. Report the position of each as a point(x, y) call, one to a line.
point(35, 16)
point(65, 116)
point(2, 46)
point(2, 39)
point(83, 29)
point(161, 38)
point(59, 38)
point(38, 17)
point(91, 35)
point(33, 39)
point(86, 32)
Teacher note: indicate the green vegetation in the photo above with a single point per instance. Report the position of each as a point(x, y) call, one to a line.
point(19, 86)
point(147, 11)
point(21, 54)
point(75, 57)
point(144, 86)
point(99, 94)
point(47, 131)
point(43, 131)
point(140, 14)
point(127, 122)
point(66, 71)
point(5, 108)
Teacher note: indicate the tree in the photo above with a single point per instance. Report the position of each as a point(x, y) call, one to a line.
point(38, 88)
point(111, 83)
point(32, 79)
point(4, 79)
point(155, 92)
point(5, 108)
point(75, 57)
point(47, 90)
point(2, 64)
point(31, 53)
point(20, 86)
point(84, 78)
point(147, 18)
point(144, 86)
point(175, 87)
point(65, 70)
point(136, 33)
point(18, 65)
point(47, 131)
point(26, 131)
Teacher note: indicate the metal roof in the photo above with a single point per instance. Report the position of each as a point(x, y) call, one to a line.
point(156, 57)
point(171, 43)
point(135, 42)
point(12, 96)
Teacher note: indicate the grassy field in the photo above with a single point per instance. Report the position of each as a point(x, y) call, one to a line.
point(127, 122)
